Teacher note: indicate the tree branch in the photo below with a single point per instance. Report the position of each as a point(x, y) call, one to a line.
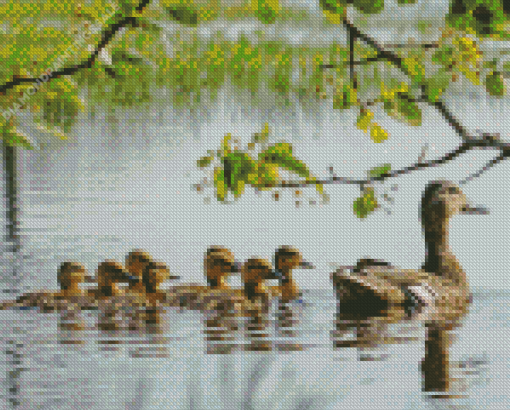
point(107, 35)
point(483, 143)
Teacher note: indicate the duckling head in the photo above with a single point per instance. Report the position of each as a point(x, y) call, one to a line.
point(110, 273)
point(154, 274)
point(218, 263)
point(136, 261)
point(71, 274)
point(287, 258)
point(444, 199)
point(254, 272)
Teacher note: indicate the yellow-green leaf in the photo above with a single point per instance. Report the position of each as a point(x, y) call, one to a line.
point(365, 204)
point(15, 138)
point(494, 84)
point(204, 162)
point(344, 97)
point(281, 154)
point(364, 120)
point(380, 170)
point(377, 133)
point(219, 183)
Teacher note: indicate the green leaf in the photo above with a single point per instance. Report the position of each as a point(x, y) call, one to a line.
point(369, 6)
point(359, 208)
point(334, 6)
point(15, 138)
point(380, 170)
point(204, 162)
point(238, 166)
point(437, 85)
point(443, 56)
point(281, 155)
point(266, 10)
point(494, 84)
point(183, 14)
point(409, 110)
point(219, 183)
point(366, 204)
point(344, 98)
point(403, 2)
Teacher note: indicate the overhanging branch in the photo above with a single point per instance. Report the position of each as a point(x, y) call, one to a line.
point(106, 36)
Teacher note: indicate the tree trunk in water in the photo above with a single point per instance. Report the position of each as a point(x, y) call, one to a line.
point(11, 188)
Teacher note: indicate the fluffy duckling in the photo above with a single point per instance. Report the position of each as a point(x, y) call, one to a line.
point(437, 294)
point(70, 276)
point(255, 272)
point(219, 263)
point(110, 274)
point(287, 258)
point(136, 262)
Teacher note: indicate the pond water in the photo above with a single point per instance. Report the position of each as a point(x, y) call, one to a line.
point(47, 366)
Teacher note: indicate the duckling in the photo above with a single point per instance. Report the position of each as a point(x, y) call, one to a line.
point(437, 294)
point(153, 275)
point(219, 262)
point(110, 274)
point(70, 276)
point(287, 258)
point(136, 261)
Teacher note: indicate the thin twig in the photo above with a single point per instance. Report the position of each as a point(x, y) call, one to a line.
point(487, 166)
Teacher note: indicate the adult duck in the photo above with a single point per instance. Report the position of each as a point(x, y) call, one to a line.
point(437, 294)
point(70, 276)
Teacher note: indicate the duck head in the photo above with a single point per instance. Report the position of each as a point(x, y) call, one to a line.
point(70, 275)
point(219, 262)
point(444, 199)
point(154, 274)
point(255, 272)
point(136, 262)
point(287, 258)
point(109, 274)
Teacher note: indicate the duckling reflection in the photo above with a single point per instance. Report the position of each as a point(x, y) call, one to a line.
point(111, 304)
point(286, 259)
point(148, 315)
point(224, 306)
point(70, 276)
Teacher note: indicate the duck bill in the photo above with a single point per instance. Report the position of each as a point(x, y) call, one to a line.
point(89, 279)
point(474, 210)
point(306, 265)
point(174, 277)
point(236, 267)
point(279, 275)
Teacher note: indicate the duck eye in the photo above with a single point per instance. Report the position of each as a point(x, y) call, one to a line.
point(453, 190)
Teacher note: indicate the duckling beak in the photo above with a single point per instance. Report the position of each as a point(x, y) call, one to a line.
point(477, 210)
point(236, 268)
point(173, 277)
point(279, 275)
point(306, 265)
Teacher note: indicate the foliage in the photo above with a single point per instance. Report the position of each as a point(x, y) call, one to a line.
point(235, 168)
